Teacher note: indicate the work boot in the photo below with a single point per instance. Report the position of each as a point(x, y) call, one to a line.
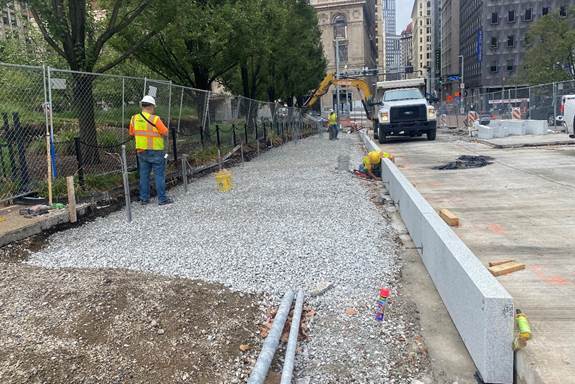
point(144, 202)
point(166, 202)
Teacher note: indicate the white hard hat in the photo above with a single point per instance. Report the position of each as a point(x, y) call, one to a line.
point(148, 100)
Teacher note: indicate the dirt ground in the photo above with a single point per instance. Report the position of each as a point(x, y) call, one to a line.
point(114, 326)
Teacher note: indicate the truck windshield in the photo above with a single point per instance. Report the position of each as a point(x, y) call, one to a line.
point(402, 94)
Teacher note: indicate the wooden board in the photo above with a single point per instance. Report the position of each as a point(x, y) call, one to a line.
point(506, 268)
point(71, 199)
point(499, 262)
point(449, 217)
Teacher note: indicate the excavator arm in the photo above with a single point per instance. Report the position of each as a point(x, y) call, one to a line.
point(330, 80)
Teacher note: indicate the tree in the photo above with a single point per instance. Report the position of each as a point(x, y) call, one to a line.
point(81, 33)
point(279, 51)
point(551, 53)
point(194, 49)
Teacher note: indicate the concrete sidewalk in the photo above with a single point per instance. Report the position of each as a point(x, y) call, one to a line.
point(520, 207)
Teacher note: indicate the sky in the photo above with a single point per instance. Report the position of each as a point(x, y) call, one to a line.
point(403, 9)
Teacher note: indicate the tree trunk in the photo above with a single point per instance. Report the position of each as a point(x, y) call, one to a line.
point(84, 108)
point(202, 81)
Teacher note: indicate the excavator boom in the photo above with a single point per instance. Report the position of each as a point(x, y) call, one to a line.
point(330, 80)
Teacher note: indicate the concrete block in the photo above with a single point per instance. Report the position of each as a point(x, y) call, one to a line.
point(481, 309)
point(516, 130)
point(486, 132)
point(501, 131)
point(536, 127)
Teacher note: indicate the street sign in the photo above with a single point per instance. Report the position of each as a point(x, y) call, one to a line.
point(462, 86)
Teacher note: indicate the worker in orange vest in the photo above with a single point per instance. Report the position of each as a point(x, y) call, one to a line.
point(149, 132)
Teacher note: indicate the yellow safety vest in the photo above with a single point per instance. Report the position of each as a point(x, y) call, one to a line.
point(146, 135)
point(332, 119)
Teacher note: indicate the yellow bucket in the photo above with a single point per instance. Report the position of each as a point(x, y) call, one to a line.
point(224, 180)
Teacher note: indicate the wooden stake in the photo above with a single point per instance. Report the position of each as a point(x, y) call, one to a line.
point(449, 217)
point(499, 262)
point(506, 268)
point(71, 199)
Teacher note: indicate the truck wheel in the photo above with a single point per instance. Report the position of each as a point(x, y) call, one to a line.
point(431, 135)
point(382, 137)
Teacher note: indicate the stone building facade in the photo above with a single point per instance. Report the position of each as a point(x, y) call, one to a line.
point(351, 25)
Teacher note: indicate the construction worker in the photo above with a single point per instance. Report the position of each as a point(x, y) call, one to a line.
point(332, 125)
point(371, 164)
point(149, 132)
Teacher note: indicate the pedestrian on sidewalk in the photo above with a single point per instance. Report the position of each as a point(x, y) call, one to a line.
point(149, 132)
point(332, 124)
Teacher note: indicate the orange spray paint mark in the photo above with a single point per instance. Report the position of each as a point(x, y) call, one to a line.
point(496, 228)
point(552, 280)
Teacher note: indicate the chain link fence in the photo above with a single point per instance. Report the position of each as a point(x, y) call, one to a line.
point(66, 123)
point(540, 102)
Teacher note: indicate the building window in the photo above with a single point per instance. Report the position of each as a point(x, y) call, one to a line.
point(510, 41)
point(340, 27)
point(494, 18)
point(510, 65)
point(511, 16)
point(545, 11)
point(493, 44)
point(563, 11)
point(493, 68)
point(528, 14)
point(342, 53)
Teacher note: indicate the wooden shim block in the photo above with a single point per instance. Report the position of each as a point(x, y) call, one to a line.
point(71, 199)
point(499, 262)
point(506, 268)
point(449, 217)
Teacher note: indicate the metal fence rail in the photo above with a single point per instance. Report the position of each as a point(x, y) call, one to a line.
point(60, 123)
point(540, 102)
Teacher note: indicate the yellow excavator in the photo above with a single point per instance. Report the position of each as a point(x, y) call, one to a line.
point(330, 80)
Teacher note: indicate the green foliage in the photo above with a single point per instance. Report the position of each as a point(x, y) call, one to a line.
point(279, 51)
point(550, 56)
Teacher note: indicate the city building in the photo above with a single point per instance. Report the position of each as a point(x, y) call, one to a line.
point(351, 26)
point(450, 60)
point(492, 39)
point(423, 41)
point(380, 38)
point(392, 41)
point(15, 21)
point(406, 51)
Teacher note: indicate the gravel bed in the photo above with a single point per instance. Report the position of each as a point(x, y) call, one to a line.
point(292, 220)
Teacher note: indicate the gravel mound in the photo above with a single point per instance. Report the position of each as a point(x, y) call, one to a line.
point(292, 220)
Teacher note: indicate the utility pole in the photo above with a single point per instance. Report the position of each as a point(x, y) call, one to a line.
point(337, 77)
point(462, 85)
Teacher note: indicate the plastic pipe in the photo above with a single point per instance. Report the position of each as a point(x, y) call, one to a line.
point(260, 370)
point(289, 362)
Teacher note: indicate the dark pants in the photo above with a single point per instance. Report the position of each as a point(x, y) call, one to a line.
point(152, 160)
point(333, 132)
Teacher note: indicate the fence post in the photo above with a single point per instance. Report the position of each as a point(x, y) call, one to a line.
point(79, 160)
point(21, 145)
point(202, 136)
point(246, 132)
point(218, 136)
point(175, 143)
point(265, 135)
point(123, 105)
point(47, 109)
point(234, 135)
point(185, 171)
point(126, 185)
